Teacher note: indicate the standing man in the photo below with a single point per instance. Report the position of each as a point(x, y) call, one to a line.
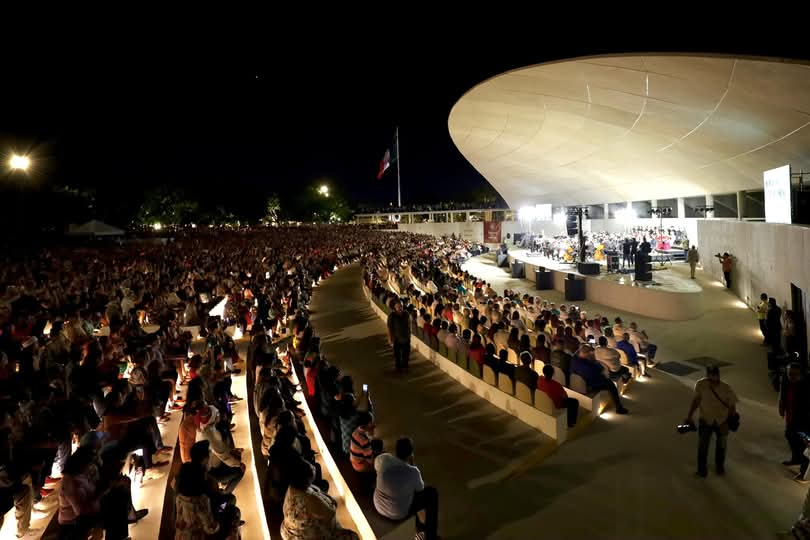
point(399, 336)
point(626, 253)
point(794, 407)
point(762, 314)
point(692, 257)
point(633, 250)
point(717, 402)
point(725, 262)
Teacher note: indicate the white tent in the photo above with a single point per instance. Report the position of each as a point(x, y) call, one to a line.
point(94, 228)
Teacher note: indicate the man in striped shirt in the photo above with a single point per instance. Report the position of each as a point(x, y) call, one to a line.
point(361, 454)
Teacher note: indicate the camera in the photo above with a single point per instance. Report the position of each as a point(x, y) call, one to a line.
point(686, 428)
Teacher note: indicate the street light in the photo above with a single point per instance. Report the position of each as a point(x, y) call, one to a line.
point(19, 163)
point(324, 190)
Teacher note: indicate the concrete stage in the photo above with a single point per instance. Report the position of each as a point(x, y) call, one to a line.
point(669, 296)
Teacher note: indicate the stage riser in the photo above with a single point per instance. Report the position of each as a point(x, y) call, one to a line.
point(651, 302)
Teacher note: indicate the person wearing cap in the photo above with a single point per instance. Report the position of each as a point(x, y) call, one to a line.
point(226, 461)
point(716, 401)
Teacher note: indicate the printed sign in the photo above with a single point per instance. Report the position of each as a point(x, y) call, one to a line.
point(492, 232)
point(777, 195)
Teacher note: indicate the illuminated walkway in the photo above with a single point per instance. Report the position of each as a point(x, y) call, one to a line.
point(625, 477)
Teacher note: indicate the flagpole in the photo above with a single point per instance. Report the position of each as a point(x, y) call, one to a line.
point(399, 190)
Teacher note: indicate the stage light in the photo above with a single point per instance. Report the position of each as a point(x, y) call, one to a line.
point(157, 226)
point(626, 215)
point(526, 213)
point(324, 190)
point(19, 163)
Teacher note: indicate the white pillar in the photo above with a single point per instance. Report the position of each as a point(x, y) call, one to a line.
point(709, 202)
point(681, 208)
point(450, 215)
point(740, 204)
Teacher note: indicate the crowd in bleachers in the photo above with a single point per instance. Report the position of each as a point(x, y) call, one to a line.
point(448, 206)
point(493, 334)
point(95, 356)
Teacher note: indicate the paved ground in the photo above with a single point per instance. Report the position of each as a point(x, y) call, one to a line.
point(626, 477)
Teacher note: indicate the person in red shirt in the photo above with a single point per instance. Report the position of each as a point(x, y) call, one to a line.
point(477, 352)
point(556, 392)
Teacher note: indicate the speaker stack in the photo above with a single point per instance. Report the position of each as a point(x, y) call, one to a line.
point(643, 267)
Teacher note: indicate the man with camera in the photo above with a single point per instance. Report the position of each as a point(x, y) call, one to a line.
point(718, 415)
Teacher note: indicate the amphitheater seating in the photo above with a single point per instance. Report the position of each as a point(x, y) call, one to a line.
point(489, 375)
point(506, 384)
point(524, 393)
point(542, 402)
point(443, 349)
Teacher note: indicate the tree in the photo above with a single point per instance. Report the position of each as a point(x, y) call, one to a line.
point(272, 209)
point(167, 205)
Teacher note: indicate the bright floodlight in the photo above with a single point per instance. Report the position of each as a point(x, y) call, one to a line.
point(526, 213)
point(157, 226)
point(626, 215)
point(18, 162)
point(560, 218)
point(324, 190)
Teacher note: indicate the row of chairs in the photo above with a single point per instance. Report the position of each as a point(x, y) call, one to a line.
point(503, 382)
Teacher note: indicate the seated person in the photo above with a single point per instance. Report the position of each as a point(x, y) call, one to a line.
point(401, 492)
point(610, 358)
point(194, 517)
point(491, 359)
point(557, 393)
point(504, 366)
point(639, 340)
point(222, 500)
point(476, 350)
point(524, 373)
point(632, 356)
point(540, 351)
point(226, 462)
point(451, 340)
point(586, 366)
point(361, 452)
point(309, 512)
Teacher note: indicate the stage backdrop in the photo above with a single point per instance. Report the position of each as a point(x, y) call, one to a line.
point(492, 232)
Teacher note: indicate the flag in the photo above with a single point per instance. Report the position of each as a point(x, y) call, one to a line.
point(390, 155)
point(384, 164)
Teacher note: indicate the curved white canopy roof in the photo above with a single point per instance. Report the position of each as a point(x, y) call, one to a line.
point(620, 128)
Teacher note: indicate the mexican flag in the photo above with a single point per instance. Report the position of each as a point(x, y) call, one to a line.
point(384, 164)
point(390, 155)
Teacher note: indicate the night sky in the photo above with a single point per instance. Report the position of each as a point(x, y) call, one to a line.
point(218, 112)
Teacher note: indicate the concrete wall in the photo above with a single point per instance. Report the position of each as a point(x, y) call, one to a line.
point(472, 231)
point(768, 257)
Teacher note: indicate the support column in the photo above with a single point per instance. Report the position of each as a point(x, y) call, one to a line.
point(709, 202)
point(681, 208)
point(740, 204)
point(468, 217)
point(450, 217)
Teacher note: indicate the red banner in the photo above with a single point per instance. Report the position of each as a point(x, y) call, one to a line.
point(492, 232)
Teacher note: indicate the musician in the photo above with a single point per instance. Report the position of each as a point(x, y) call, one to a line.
point(626, 260)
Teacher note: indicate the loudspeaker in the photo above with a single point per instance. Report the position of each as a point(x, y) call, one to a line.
point(643, 267)
point(574, 289)
point(571, 225)
point(502, 259)
point(543, 280)
point(588, 269)
point(517, 269)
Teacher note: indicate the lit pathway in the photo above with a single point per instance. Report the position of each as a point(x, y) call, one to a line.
point(626, 477)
